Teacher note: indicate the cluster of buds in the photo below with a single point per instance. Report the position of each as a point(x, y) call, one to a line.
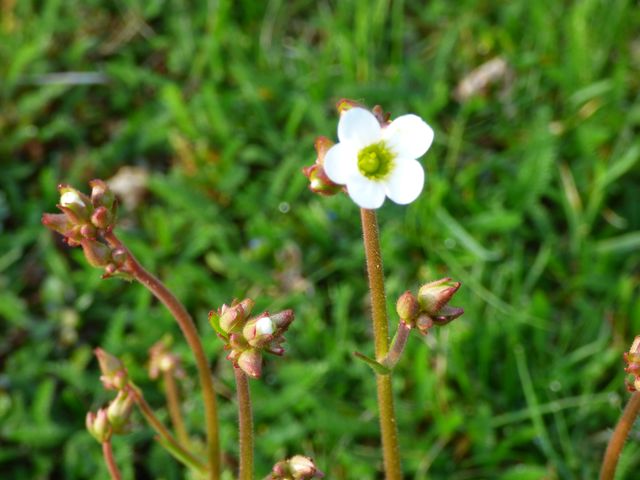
point(85, 220)
point(115, 417)
point(430, 307)
point(297, 467)
point(318, 181)
point(632, 359)
point(162, 360)
point(247, 338)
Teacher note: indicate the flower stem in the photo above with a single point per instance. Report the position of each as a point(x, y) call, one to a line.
point(173, 404)
point(190, 333)
point(375, 273)
point(107, 453)
point(245, 418)
point(397, 345)
point(163, 432)
point(627, 419)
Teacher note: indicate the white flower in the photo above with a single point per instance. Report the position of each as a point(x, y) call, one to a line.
point(374, 161)
point(70, 198)
point(264, 326)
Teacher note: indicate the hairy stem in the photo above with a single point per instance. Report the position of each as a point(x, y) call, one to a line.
point(190, 333)
point(173, 404)
point(627, 419)
point(162, 431)
point(375, 273)
point(245, 418)
point(107, 453)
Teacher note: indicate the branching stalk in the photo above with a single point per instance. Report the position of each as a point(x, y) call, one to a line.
point(375, 273)
point(397, 345)
point(612, 454)
point(245, 421)
point(164, 433)
point(190, 333)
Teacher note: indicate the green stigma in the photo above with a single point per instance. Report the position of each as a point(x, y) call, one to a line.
point(375, 161)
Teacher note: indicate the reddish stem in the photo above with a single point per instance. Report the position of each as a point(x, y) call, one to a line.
point(190, 333)
point(612, 454)
point(107, 453)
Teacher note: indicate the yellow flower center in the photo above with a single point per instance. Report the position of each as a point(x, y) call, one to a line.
point(375, 161)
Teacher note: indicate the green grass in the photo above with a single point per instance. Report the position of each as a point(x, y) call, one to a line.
point(532, 201)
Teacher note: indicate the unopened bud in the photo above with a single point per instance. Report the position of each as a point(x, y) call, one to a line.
point(114, 374)
point(101, 194)
point(259, 331)
point(434, 295)
point(297, 467)
point(60, 223)
point(74, 203)
point(102, 218)
point(119, 411)
point(319, 182)
point(98, 425)
point(407, 307)
point(250, 362)
point(423, 323)
point(282, 320)
point(97, 254)
point(632, 359)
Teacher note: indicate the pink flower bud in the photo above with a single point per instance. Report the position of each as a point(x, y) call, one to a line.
point(98, 425)
point(434, 295)
point(101, 195)
point(119, 411)
point(114, 374)
point(250, 362)
point(97, 254)
point(407, 307)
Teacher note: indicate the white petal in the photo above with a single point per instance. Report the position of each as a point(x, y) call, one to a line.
point(341, 162)
point(408, 136)
point(359, 126)
point(71, 198)
point(264, 326)
point(366, 193)
point(405, 182)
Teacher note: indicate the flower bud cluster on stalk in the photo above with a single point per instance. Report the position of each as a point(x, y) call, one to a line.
point(297, 467)
point(84, 221)
point(248, 338)
point(430, 307)
point(632, 359)
point(115, 417)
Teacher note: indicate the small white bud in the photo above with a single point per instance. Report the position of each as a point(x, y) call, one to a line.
point(264, 326)
point(71, 198)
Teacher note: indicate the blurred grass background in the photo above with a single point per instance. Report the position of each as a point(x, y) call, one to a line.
point(532, 201)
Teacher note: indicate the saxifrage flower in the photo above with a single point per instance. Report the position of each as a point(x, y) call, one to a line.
point(375, 161)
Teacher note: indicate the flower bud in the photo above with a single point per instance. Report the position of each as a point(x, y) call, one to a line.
point(98, 425)
point(632, 359)
point(60, 223)
point(259, 331)
point(297, 467)
point(97, 254)
point(447, 314)
point(114, 374)
point(162, 360)
point(319, 182)
point(434, 295)
point(102, 218)
point(101, 195)
point(282, 320)
point(423, 323)
point(119, 411)
point(407, 307)
point(250, 362)
point(74, 203)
